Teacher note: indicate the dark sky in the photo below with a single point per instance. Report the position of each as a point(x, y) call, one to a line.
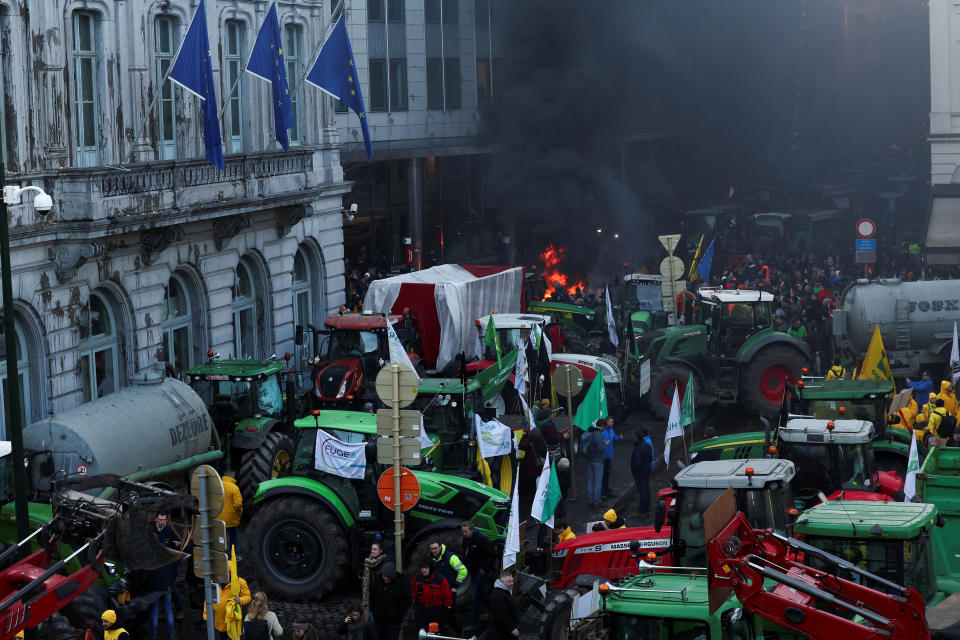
point(734, 93)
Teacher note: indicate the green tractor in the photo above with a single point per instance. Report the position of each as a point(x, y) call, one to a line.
point(731, 349)
point(448, 407)
point(585, 331)
point(251, 414)
point(311, 527)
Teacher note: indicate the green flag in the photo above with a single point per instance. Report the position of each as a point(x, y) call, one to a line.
point(548, 494)
point(493, 378)
point(492, 339)
point(594, 405)
point(687, 409)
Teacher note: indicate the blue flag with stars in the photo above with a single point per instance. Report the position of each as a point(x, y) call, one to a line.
point(703, 270)
point(336, 73)
point(266, 62)
point(193, 70)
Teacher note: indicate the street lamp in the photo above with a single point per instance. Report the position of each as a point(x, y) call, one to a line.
point(43, 203)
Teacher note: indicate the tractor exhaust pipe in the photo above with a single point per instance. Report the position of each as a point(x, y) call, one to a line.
point(766, 435)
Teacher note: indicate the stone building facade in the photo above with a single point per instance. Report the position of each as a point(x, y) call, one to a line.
point(148, 263)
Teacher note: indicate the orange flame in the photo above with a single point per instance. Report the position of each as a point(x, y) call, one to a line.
point(551, 258)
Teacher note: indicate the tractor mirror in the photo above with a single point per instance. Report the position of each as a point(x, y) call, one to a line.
point(298, 338)
point(660, 514)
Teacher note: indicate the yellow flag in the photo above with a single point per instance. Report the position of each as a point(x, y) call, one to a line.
point(234, 576)
point(692, 276)
point(875, 366)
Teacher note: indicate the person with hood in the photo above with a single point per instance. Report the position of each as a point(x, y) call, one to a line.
point(504, 621)
point(949, 399)
point(922, 388)
point(220, 608)
point(592, 448)
point(613, 520)
point(389, 601)
point(837, 372)
point(371, 564)
point(432, 598)
point(108, 619)
point(232, 509)
point(479, 556)
point(641, 466)
point(923, 416)
point(358, 625)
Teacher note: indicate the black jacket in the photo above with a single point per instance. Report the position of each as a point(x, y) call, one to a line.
point(389, 601)
point(477, 552)
point(640, 458)
point(503, 614)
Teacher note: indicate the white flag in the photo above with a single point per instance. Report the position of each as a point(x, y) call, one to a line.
point(338, 457)
point(493, 438)
point(546, 498)
point(611, 324)
point(511, 546)
point(538, 335)
point(520, 371)
point(673, 426)
point(913, 465)
point(955, 356)
point(527, 412)
point(398, 355)
point(425, 441)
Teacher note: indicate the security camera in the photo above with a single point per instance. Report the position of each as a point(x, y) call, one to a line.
point(353, 208)
point(351, 213)
point(43, 203)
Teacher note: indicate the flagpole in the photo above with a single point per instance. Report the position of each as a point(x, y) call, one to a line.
point(316, 49)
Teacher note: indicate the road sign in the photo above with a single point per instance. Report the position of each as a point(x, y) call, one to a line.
point(214, 487)
point(218, 534)
point(866, 244)
point(409, 422)
point(672, 268)
point(82, 470)
point(219, 562)
point(407, 385)
point(409, 451)
point(409, 489)
point(560, 378)
point(669, 242)
point(866, 228)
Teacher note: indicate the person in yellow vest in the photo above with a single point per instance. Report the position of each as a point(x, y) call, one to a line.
point(923, 415)
point(108, 619)
point(837, 372)
point(936, 416)
point(232, 509)
point(613, 520)
point(949, 398)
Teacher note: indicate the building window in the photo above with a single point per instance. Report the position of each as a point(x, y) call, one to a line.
point(99, 349)
point(302, 303)
point(443, 83)
point(451, 83)
point(488, 12)
point(235, 52)
point(434, 83)
point(178, 320)
point(23, 378)
point(245, 313)
point(378, 84)
point(375, 11)
point(486, 75)
point(85, 92)
point(292, 53)
point(432, 11)
point(398, 84)
point(395, 10)
point(164, 50)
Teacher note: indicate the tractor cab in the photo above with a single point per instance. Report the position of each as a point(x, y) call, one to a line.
point(356, 351)
point(733, 316)
point(582, 324)
point(833, 457)
point(889, 539)
point(448, 407)
point(239, 393)
point(761, 488)
point(513, 330)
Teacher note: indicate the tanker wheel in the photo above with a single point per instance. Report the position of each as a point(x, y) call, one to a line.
point(555, 619)
point(300, 550)
point(663, 380)
point(271, 459)
point(764, 379)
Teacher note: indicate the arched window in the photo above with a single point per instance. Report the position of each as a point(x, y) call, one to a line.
point(302, 300)
point(178, 322)
point(245, 313)
point(23, 377)
point(99, 362)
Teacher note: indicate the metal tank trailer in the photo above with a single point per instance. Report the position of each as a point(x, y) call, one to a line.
point(915, 318)
point(152, 429)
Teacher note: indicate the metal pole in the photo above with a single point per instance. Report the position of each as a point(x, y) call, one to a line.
point(397, 513)
point(573, 439)
point(205, 551)
point(12, 396)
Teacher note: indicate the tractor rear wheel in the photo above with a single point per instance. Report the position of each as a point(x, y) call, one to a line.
point(764, 379)
point(272, 458)
point(663, 380)
point(299, 549)
point(555, 619)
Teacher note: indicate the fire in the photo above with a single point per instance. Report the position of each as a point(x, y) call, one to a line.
point(551, 258)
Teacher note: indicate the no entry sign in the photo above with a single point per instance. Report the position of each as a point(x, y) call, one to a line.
point(866, 228)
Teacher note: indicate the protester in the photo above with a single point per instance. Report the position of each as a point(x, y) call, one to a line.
point(432, 598)
point(108, 619)
point(164, 579)
point(478, 556)
point(613, 520)
point(534, 450)
point(592, 448)
point(552, 436)
point(922, 387)
point(836, 372)
point(358, 625)
point(232, 510)
point(564, 532)
point(641, 466)
point(304, 631)
point(949, 399)
point(260, 623)
point(242, 597)
point(504, 620)
point(447, 564)
point(371, 564)
point(389, 601)
point(609, 437)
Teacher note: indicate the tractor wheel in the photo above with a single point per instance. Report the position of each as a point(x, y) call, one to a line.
point(764, 379)
point(555, 619)
point(663, 380)
point(267, 461)
point(575, 344)
point(298, 548)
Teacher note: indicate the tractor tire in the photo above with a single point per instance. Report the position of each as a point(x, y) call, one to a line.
point(555, 619)
point(267, 461)
point(57, 627)
point(763, 380)
point(298, 549)
point(574, 343)
point(663, 380)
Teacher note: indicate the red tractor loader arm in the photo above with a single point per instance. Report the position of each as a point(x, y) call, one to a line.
point(808, 601)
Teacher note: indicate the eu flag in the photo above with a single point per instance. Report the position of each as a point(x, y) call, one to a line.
point(192, 69)
point(266, 62)
point(336, 73)
point(703, 269)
